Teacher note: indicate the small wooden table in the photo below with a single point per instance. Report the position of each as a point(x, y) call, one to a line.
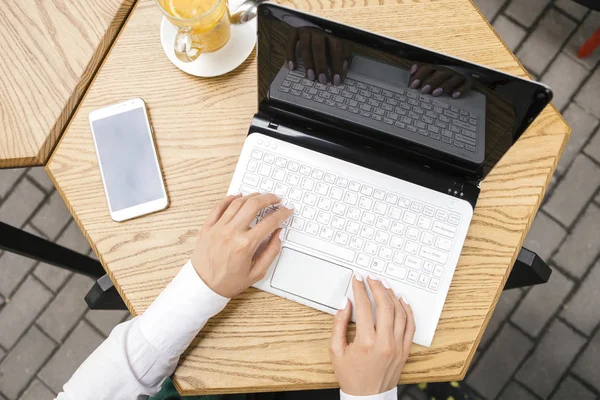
point(261, 342)
point(49, 54)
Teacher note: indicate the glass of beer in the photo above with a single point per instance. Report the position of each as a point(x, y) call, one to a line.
point(203, 26)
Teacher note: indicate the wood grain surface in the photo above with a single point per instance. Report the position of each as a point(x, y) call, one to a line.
point(261, 342)
point(49, 52)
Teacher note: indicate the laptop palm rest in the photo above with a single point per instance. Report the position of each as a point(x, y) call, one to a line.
point(311, 278)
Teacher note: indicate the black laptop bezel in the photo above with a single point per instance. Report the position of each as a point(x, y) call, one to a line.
point(454, 175)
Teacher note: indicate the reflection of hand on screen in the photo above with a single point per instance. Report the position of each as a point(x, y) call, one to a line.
point(438, 81)
point(319, 52)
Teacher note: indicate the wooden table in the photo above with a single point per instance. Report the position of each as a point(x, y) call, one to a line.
point(261, 342)
point(49, 53)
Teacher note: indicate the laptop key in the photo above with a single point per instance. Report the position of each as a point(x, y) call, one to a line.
point(388, 121)
point(330, 103)
point(379, 111)
point(391, 102)
point(365, 113)
point(347, 94)
point(411, 94)
point(307, 96)
point(284, 89)
point(325, 95)
point(378, 97)
point(365, 107)
point(320, 86)
point(413, 102)
point(307, 82)
point(387, 107)
point(295, 92)
point(298, 86)
point(418, 110)
point(422, 132)
point(333, 90)
point(426, 106)
point(352, 103)
point(376, 117)
point(433, 129)
point(374, 89)
point(292, 78)
point(446, 139)
point(406, 120)
point(312, 91)
point(373, 103)
point(352, 89)
point(411, 128)
point(338, 99)
point(400, 125)
point(470, 148)
point(440, 104)
point(342, 106)
point(361, 85)
point(353, 110)
point(465, 139)
point(427, 120)
point(318, 99)
point(360, 99)
point(458, 144)
point(392, 115)
point(440, 124)
point(365, 93)
point(420, 124)
point(435, 136)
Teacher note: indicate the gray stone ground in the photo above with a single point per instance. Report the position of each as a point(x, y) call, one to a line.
point(541, 343)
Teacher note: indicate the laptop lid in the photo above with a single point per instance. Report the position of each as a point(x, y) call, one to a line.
point(434, 110)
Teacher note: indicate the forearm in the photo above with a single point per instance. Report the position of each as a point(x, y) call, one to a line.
point(391, 394)
point(140, 354)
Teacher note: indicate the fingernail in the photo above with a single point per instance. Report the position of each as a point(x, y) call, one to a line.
point(322, 79)
point(415, 84)
point(345, 66)
point(311, 74)
point(281, 234)
point(426, 89)
point(413, 69)
point(373, 277)
point(386, 284)
point(404, 299)
point(290, 65)
point(358, 276)
point(336, 79)
point(290, 207)
point(344, 303)
point(438, 92)
point(237, 194)
point(455, 95)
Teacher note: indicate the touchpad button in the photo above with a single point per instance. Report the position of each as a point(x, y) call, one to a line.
point(311, 278)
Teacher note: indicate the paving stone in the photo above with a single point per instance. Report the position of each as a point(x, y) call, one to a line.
point(546, 40)
point(19, 204)
point(498, 364)
point(540, 303)
point(8, 177)
point(551, 358)
point(582, 125)
point(574, 191)
point(105, 320)
point(67, 307)
point(581, 246)
point(572, 389)
point(514, 391)
point(593, 147)
point(22, 309)
point(564, 77)
point(39, 175)
point(585, 31)
point(582, 311)
point(52, 217)
point(587, 97)
point(13, 269)
point(489, 8)
point(29, 228)
point(587, 366)
point(73, 239)
point(37, 391)
point(23, 361)
point(526, 12)
point(545, 236)
point(53, 277)
point(506, 303)
point(511, 33)
point(76, 348)
point(573, 9)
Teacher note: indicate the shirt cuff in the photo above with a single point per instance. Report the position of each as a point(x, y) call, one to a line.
point(391, 394)
point(176, 316)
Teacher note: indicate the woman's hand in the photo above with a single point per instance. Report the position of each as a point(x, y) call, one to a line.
point(228, 254)
point(438, 81)
point(373, 363)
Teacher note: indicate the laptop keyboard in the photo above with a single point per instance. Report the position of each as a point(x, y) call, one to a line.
point(404, 108)
point(370, 228)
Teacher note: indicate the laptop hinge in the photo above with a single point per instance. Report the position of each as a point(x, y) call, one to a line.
point(273, 125)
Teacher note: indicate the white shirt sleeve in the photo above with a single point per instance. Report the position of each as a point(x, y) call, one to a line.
point(134, 361)
point(391, 394)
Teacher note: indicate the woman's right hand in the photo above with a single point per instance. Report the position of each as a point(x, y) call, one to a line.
point(373, 362)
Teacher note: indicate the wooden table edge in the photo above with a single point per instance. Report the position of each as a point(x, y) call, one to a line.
point(63, 121)
point(476, 342)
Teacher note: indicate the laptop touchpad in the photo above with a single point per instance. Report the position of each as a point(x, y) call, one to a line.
point(311, 278)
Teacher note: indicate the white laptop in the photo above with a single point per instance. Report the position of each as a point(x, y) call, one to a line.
point(379, 174)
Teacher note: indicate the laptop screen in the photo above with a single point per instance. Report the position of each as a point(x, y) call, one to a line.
point(434, 108)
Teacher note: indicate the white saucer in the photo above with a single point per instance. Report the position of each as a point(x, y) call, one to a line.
point(231, 56)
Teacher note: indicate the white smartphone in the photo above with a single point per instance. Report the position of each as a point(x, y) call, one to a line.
point(129, 166)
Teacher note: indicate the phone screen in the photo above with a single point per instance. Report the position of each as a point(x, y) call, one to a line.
point(127, 159)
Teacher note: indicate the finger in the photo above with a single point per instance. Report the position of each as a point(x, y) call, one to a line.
point(319, 56)
point(219, 209)
point(339, 331)
point(306, 52)
point(417, 78)
point(265, 259)
point(462, 89)
point(450, 85)
point(290, 50)
point(265, 227)
point(252, 207)
point(336, 51)
point(434, 81)
point(235, 206)
point(399, 318)
point(347, 54)
point(409, 330)
point(362, 304)
point(385, 309)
